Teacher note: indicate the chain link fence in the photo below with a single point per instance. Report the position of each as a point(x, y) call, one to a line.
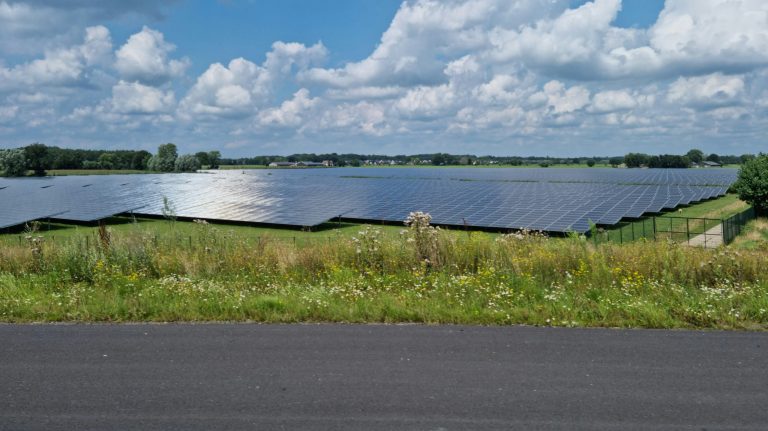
point(706, 232)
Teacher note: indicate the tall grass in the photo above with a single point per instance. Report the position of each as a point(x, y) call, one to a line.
point(423, 275)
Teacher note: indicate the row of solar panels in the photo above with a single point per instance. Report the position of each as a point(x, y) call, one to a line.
point(311, 197)
point(702, 176)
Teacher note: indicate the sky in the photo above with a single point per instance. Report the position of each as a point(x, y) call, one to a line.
point(484, 77)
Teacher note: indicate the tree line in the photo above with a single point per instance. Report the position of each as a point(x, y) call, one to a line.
point(38, 158)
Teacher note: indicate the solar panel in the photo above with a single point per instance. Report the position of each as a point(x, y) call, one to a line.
point(557, 200)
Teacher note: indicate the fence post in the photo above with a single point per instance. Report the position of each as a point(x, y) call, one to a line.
point(654, 228)
point(688, 231)
point(633, 231)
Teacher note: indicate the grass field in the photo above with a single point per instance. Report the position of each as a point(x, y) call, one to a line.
point(156, 270)
point(681, 225)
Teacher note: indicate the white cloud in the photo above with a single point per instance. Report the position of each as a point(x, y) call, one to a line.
point(364, 117)
point(706, 92)
point(136, 98)
point(63, 66)
point(242, 87)
point(423, 32)
point(290, 113)
point(144, 58)
point(609, 101)
point(562, 100)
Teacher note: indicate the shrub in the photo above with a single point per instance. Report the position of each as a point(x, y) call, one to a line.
point(13, 163)
point(752, 184)
point(187, 163)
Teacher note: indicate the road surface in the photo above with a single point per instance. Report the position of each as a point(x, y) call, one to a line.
point(378, 377)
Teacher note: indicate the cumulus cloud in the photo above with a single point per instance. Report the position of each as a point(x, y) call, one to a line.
point(706, 92)
point(136, 98)
point(559, 99)
point(31, 26)
point(242, 86)
point(291, 112)
point(64, 66)
point(144, 58)
point(610, 101)
point(423, 32)
point(690, 37)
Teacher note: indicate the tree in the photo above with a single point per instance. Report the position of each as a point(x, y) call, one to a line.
point(214, 159)
point(37, 158)
point(187, 163)
point(695, 155)
point(165, 160)
point(752, 183)
point(616, 161)
point(590, 163)
point(108, 161)
point(713, 158)
point(203, 157)
point(635, 160)
point(13, 163)
point(744, 158)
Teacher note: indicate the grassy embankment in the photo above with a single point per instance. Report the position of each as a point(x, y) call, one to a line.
point(162, 271)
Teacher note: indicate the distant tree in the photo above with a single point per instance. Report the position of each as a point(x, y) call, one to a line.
point(576, 161)
point(187, 163)
point(108, 161)
point(635, 160)
point(13, 163)
point(165, 160)
point(752, 183)
point(591, 163)
point(615, 161)
point(744, 158)
point(139, 160)
point(695, 155)
point(713, 158)
point(214, 159)
point(37, 158)
point(203, 157)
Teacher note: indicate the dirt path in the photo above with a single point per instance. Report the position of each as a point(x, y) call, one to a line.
point(713, 238)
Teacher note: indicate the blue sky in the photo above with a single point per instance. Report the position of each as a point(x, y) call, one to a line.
point(504, 77)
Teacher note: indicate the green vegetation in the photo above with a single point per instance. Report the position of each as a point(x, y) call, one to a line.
point(752, 184)
point(719, 208)
point(168, 271)
point(67, 172)
point(680, 225)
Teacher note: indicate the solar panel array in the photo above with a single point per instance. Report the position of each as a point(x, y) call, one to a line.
point(556, 200)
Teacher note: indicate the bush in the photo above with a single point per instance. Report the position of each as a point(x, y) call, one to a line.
point(187, 163)
point(752, 184)
point(12, 163)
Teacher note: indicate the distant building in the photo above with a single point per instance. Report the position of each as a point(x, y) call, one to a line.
point(309, 164)
point(281, 164)
point(708, 164)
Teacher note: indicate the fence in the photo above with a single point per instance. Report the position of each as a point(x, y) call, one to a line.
point(707, 232)
point(732, 226)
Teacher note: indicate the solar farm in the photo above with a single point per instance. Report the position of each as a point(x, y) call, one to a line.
point(551, 200)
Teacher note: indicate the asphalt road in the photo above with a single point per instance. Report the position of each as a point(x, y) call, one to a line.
point(376, 377)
